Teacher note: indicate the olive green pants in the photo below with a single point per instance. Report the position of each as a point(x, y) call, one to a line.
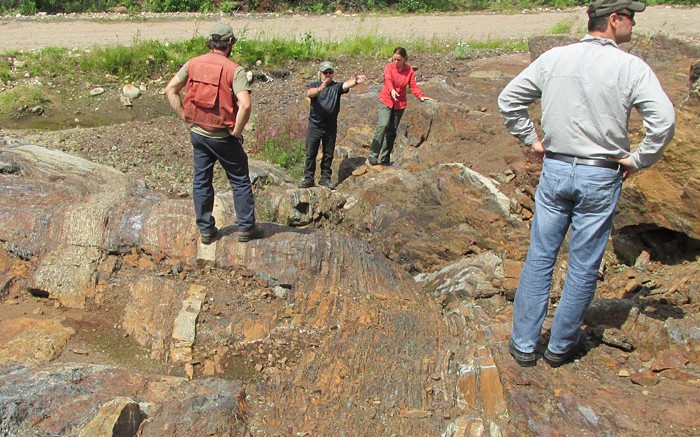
point(385, 134)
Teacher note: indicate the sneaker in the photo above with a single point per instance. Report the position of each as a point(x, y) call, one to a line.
point(372, 161)
point(524, 359)
point(386, 163)
point(251, 234)
point(208, 237)
point(556, 360)
point(306, 183)
point(327, 183)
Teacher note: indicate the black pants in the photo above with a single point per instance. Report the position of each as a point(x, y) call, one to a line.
point(230, 154)
point(317, 135)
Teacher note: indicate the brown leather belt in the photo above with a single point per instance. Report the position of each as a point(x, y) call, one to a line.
point(584, 161)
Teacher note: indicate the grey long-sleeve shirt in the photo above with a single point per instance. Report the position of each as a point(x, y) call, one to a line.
point(588, 90)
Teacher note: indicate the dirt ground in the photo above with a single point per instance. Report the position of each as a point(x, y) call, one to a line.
point(85, 31)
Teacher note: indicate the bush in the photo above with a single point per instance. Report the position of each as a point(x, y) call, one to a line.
point(425, 5)
point(29, 7)
point(282, 142)
point(288, 153)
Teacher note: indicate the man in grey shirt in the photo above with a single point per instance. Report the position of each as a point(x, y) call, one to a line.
point(588, 90)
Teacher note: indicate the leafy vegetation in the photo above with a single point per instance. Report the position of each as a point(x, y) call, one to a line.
point(29, 7)
point(281, 142)
point(20, 100)
point(562, 28)
point(149, 59)
point(288, 153)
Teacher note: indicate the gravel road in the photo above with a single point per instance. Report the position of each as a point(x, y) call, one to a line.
point(85, 31)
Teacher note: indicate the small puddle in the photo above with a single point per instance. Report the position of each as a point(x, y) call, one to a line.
point(98, 343)
point(104, 115)
point(240, 369)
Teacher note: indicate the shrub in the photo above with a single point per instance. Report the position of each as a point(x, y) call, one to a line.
point(282, 142)
point(462, 51)
point(29, 7)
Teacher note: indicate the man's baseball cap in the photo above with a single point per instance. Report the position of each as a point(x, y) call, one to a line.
point(221, 32)
point(325, 65)
point(601, 8)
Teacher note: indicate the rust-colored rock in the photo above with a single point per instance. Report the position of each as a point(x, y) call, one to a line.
point(120, 416)
point(670, 359)
point(31, 341)
point(644, 377)
point(326, 327)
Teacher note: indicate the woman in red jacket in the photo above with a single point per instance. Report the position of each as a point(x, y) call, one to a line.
point(397, 76)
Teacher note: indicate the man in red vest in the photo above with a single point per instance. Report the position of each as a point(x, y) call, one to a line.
point(216, 106)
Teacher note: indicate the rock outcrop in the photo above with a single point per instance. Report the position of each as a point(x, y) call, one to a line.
point(381, 308)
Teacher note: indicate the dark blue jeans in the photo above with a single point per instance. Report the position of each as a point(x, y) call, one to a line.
point(230, 154)
point(315, 136)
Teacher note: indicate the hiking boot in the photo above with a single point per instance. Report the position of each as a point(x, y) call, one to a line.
point(251, 234)
point(207, 237)
point(306, 183)
point(327, 183)
point(556, 360)
point(372, 161)
point(524, 359)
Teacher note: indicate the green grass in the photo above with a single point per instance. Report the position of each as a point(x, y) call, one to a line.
point(278, 51)
point(19, 100)
point(5, 70)
point(148, 59)
point(562, 28)
point(286, 152)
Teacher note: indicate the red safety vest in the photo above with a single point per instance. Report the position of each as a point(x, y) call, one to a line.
point(209, 100)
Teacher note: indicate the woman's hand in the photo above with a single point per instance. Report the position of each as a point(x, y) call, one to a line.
point(394, 95)
point(424, 98)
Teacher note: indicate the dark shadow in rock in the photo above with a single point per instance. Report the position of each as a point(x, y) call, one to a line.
point(661, 309)
point(269, 229)
point(665, 245)
point(615, 312)
point(349, 165)
point(609, 312)
point(9, 166)
point(589, 343)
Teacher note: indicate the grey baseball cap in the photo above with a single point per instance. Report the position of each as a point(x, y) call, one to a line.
point(600, 8)
point(221, 32)
point(326, 65)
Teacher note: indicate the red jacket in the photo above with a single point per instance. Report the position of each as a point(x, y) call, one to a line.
point(209, 100)
point(398, 80)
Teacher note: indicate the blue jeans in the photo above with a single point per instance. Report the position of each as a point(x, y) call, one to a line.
point(388, 120)
point(584, 198)
point(230, 154)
